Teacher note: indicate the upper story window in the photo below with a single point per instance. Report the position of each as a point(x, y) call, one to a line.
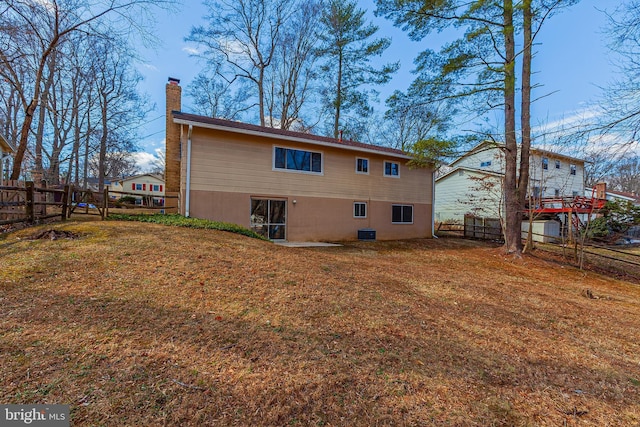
point(391, 169)
point(485, 164)
point(297, 160)
point(402, 214)
point(362, 165)
point(545, 163)
point(557, 164)
point(139, 187)
point(572, 169)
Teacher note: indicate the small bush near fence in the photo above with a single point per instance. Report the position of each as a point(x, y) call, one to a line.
point(181, 221)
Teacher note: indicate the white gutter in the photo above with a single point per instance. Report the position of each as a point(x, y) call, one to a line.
point(188, 189)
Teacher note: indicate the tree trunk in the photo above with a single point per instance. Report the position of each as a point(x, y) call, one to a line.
point(513, 215)
point(336, 122)
point(525, 111)
point(24, 137)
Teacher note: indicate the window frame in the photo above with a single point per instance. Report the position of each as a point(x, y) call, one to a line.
point(367, 165)
point(285, 169)
point(545, 163)
point(558, 164)
point(355, 210)
point(402, 213)
point(573, 170)
point(384, 169)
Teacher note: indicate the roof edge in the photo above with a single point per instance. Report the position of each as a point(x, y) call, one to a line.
point(286, 135)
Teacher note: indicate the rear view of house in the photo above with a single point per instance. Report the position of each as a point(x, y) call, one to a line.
point(290, 185)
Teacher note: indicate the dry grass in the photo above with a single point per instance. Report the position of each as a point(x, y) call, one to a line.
point(141, 324)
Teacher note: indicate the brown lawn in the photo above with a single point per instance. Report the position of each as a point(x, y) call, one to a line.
point(138, 324)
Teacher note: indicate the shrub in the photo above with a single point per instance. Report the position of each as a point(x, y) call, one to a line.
point(181, 221)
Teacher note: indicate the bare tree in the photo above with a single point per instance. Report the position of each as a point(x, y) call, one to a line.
point(291, 81)
point(242, 35)
point(214, 96)
point(32, 31)
point(116, 164)
point(620, 107)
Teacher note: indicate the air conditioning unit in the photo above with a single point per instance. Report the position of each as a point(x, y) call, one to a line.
point(366, 234)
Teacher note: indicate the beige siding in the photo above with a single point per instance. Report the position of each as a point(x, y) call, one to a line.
point(229, 162)
point(228, 169)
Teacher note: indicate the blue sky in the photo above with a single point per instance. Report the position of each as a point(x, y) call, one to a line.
point(572, 63)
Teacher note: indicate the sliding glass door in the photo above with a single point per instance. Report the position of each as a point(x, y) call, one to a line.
point(268, 218)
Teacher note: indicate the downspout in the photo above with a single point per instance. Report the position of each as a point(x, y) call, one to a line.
point(433, 204)
point(188, 186)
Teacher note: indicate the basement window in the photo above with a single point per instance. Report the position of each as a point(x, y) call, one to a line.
point(360, 210)
point(402, 214)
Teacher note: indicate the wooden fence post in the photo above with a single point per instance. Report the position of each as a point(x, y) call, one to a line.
point(70, 199)
point(29, 201)
point(65, 202)
point(43, 198)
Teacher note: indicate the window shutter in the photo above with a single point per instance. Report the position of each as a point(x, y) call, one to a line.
point(144, 187)
point(133, 186)
point(160, 188)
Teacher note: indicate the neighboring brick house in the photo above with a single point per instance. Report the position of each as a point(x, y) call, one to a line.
point(473, 182)
point(290, 185)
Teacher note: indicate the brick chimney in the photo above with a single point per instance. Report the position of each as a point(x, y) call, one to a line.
point(172, 153)
point(601, 190)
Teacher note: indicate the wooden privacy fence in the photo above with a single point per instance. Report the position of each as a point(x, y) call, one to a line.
point(29, 203)
point(482, 228)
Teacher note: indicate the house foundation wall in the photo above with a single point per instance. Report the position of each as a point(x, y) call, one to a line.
point(314, 218)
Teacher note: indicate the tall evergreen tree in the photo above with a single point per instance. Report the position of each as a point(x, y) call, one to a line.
point(479, 70)
point(347, 46)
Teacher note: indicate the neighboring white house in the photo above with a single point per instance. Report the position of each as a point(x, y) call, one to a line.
point(473, 183)
point(613, 195)
point(145, 188)
point(6, 151)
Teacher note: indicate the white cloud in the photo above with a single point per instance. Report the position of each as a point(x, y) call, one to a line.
point(191, 50)
point(150, 67)
point(144, 160)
